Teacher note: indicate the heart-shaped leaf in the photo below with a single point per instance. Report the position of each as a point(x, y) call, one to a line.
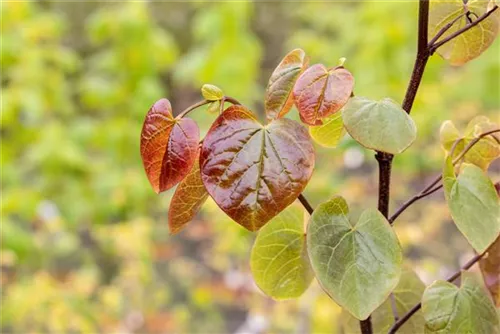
point(252, 171)
point(483, 152)
point(471, 43)
point(490, 267)
point(468, 309)
point(358, 265)
point(330, 133)
point(187, 200)
point(320, 92)
point(279, 97)
point(279, 261)
point(473, 204)
point(168, 146)
point(379, 125)
point(407, 294)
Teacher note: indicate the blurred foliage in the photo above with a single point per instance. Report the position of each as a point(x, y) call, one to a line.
point(85, 246)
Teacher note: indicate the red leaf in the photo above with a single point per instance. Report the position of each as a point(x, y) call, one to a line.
point(320, 92)
point(252, 171)
point(490, 267)
point(188, 199)
point(279, 96)
point(168, 146)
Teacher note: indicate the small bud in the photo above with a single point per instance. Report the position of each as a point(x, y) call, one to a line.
point(342, 61)
point(211, 92)
point(214, 107)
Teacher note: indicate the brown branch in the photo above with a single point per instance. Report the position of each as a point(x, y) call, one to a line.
point(450, 279)
point(432, 48)
point(429, 189)
point(306, 204)
point(445, 29)
point(192, 107)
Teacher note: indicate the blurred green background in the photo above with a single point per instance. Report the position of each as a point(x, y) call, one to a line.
point(85, 245)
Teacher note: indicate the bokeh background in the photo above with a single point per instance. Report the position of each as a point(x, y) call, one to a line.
point(85, 245)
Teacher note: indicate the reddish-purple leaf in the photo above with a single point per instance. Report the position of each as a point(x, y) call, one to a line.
point(252, 171)
point(279, 96)
point(187, 200)
point(168, 146)
point(320, 92)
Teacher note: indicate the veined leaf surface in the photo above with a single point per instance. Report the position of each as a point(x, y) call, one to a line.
point(187, 200)
point(320, 92)
point(279, 261)
point(358, 265)
point(252, 171)
point(168, 146)
point(279, 96)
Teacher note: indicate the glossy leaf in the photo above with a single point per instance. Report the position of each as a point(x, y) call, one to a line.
point(279, 261)
point(330, 132)
point(211, 92)
point(483, 152)
point(187, 200)
point(168, 146)
point(252, 171)
point(450, 309)
point(473, 42)
point(490, 267)
point(279, 96)
point(473, 204)
point(358, 265)
point(379, 125)
point(320, 92)
point(407, 294)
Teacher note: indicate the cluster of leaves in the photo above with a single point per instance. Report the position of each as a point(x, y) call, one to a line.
point(255, 172)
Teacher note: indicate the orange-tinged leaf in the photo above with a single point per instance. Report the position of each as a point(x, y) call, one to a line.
point(253, 172)
point(320, 92)
point(490, 267)
point(187, 200)
point(279, 97)
point(168, 146)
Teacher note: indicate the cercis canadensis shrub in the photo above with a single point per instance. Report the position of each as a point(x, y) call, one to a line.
point(256, 173)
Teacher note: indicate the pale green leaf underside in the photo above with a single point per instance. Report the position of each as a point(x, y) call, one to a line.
point(473, 42)
point(407, 294)
point(468, 309)
point(379, 125)
point(473, 204)
point(279, 261)
point(358, 265)
point(330, 132)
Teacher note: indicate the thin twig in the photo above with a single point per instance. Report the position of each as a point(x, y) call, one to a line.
point(192, 107)
point(429, 189)
point(445, 29)
point(306, 204)
point(450, 279)
point(432, 48)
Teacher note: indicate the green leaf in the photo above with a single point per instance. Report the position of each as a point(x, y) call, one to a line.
point(379, 125)
point(473, 42)
point(279, 261)
point(358, 265)
point(320, 92)
point(211, 92)
point(330, 133)
point(482, 153)
point(407, 294)
point(468, 309)
point(279, 96)
point(473, 204)
point(253, 172)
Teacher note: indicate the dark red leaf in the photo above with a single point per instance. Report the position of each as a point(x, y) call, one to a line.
point(252, 171)
point(320, 92)
point(168, 146)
